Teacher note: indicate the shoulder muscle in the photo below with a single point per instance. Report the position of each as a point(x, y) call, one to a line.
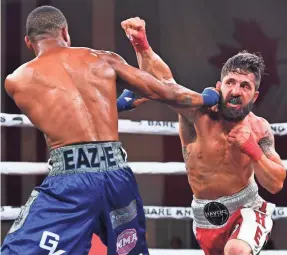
point(109, 56)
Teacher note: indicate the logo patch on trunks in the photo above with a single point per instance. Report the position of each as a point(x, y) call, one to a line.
point(124, 215)
point(126, 241)
point(216, 213)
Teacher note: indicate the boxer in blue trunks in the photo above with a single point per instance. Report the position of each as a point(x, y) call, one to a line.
point(70, 95)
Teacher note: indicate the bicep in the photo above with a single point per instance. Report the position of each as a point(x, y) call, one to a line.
point(267, 146)
point(146, 85)
point(133, 78)
point(142, 82)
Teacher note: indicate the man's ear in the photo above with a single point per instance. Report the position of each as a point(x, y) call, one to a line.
point(66, 36)
point(256, 94)
point(218, 85)
point(28, 42)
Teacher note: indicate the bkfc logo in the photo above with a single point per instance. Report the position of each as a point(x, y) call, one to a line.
point(126, 241)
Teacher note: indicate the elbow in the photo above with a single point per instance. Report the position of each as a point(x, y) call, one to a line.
point(276, 188)
point(278, 185)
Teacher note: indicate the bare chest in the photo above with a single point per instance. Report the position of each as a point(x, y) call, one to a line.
point(210, 149)
point(215, 151)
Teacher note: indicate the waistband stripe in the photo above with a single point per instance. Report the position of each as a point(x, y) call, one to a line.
point(209, 213)
point(87, 158)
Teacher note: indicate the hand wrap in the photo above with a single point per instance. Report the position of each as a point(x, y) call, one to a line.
point(125, 101)
point(252, 149)
point(140, 42)
point(210, 97)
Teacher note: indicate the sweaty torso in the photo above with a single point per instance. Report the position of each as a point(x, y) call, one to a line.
point(215, 168)
point(70, 95)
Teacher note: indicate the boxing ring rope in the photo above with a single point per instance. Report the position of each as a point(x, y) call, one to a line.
point(131, 127)
point(151, 212)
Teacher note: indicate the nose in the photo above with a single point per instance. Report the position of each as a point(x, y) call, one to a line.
point(236, 90)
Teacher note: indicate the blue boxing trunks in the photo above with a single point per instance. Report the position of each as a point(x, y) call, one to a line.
point(90, 189)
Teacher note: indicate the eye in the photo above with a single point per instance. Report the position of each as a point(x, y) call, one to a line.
point(245, 86)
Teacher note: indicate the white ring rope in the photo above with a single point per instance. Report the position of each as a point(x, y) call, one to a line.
point(128, 126)
point(24, 168)
point(151, 212)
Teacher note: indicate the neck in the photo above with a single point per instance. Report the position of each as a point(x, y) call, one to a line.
point(46, 45)
point(228, 125)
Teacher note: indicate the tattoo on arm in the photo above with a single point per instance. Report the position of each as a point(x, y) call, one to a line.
point(183, 98)
point(267, 144)
point(185, 153)
point(186, 100)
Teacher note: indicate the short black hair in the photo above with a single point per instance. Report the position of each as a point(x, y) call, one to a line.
point(245, 62)
point(45, 20)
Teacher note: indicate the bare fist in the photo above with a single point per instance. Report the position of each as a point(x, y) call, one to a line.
point(239, 135)
point(134, 27)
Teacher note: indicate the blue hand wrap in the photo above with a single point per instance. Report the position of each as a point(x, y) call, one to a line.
point(210, 97)
point(125, 101)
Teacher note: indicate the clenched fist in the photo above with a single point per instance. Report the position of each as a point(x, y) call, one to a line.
point(242, 137)
point(135, 31)
point(239, 135)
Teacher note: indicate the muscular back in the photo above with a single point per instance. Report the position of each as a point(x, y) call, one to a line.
point(69, 94)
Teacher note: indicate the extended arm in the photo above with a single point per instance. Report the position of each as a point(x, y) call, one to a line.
point(146, 85)
point(150, 62)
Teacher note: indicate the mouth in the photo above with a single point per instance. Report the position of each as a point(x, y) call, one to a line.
point(234, 102)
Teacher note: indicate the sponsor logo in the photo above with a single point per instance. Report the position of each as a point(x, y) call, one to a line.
point(277, 129)
point(279, 211)
point(49, 242)
point(169, 124)
point(123, 215)
point(216, 213)
point(126, 241)
point(128, 99)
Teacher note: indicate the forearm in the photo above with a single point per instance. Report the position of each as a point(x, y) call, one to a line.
point(175, 95)
point(270, 174)
point(152, 63)
point(144, 84)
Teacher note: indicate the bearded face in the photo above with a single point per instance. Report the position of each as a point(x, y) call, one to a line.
point(238, 95)
point(232, 108)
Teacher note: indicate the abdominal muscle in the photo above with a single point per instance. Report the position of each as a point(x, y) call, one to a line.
point(216, 171)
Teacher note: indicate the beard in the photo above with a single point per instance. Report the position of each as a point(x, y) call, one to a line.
point(232, 114)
